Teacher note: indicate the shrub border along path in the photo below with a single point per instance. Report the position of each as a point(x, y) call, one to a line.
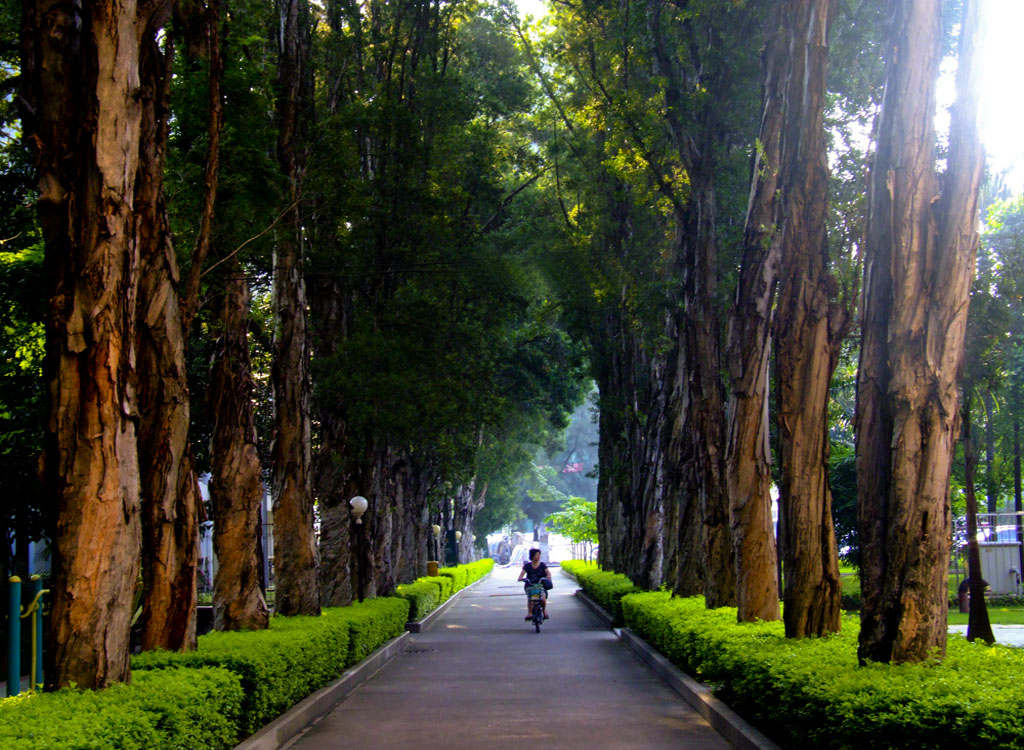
point(739, 732)
point(317, 705)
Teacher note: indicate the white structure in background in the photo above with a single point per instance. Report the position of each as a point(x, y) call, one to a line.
point(207, 557)
point(1000, 547)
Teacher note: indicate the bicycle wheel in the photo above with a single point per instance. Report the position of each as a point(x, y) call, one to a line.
point(538, 617)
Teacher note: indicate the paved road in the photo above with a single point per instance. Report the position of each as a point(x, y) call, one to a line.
point(481, 678)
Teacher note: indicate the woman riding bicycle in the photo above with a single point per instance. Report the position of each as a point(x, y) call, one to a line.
point(534, 572)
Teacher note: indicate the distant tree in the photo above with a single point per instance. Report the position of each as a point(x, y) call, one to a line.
point(578, 522)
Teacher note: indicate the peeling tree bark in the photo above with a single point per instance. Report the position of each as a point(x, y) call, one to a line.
point(748, 451)
point(809, 330)
point(81, 66)
point(296, 560)
point(235, 487)
point(170, 492)
point(919, 261)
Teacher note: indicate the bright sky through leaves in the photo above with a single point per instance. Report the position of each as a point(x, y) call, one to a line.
point(1002, 106)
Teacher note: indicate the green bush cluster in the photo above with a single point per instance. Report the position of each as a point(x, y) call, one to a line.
point(371, 624)
point(430, 592)
point(811, 693)
point(444, 586)
point(296, 656)
point(573, 567)
point(463, 575)
point(604, 587)
point(165, 709)
point(423, 596)
point(230, 686)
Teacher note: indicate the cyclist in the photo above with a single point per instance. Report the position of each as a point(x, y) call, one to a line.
point(534, 571)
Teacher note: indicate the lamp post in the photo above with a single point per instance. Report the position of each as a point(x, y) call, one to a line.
point(437, 541)
point(359, 505)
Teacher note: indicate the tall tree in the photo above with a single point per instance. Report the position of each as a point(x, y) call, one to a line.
point(919, 260)
point(809, 327)
point(80, 66)
point(170, 492)
point(296, 561)
point(236, 489)
point(748, 450)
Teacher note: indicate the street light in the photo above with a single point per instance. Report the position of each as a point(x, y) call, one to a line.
point(359, 505)
point(437, 541)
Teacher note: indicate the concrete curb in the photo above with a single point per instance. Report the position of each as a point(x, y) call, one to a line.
point(733, 727)
point(315, 706)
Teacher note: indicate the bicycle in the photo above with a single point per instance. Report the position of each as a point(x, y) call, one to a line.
point(536, 593)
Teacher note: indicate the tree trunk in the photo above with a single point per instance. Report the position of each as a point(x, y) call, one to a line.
point(748, 450)
point(236, 491)
point(329, 319)
point(296, 561)
point(808, 329)
point(170, 492)
point(696, 404)
point(918, 270)
point(80, 67)
point(991, 485)
point(978, 625)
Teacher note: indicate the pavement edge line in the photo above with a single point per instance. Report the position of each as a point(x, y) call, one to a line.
point(733, 727)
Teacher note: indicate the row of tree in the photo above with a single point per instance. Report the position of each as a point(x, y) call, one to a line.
point(404, 229)
point(652, 112)
point(286, 244)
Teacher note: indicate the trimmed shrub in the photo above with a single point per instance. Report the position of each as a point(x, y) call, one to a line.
point(423, 596)
point(280, 666)
point(811, 693)
point(606, 588)
point(463, 575)
point(371, 624)
point(574, 567)
point(161, 710)
point(459, 575)
point(443, 585)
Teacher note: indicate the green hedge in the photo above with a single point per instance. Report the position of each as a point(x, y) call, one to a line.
point(574, 567)
point(811, 693)
point(463, 575)
point(165, 709)
point(604, 587)
point(443, 584)
point(371, 624)
point(296, 656)
point(423, 596)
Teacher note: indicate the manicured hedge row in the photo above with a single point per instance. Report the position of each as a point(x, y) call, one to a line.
point(164, 709)
point(573, 567)
point(428, 593)
point(603, 586)
point(444, 586)
point(282, 665)
point(811, 693)
point(423, 597)
point(463, 575)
